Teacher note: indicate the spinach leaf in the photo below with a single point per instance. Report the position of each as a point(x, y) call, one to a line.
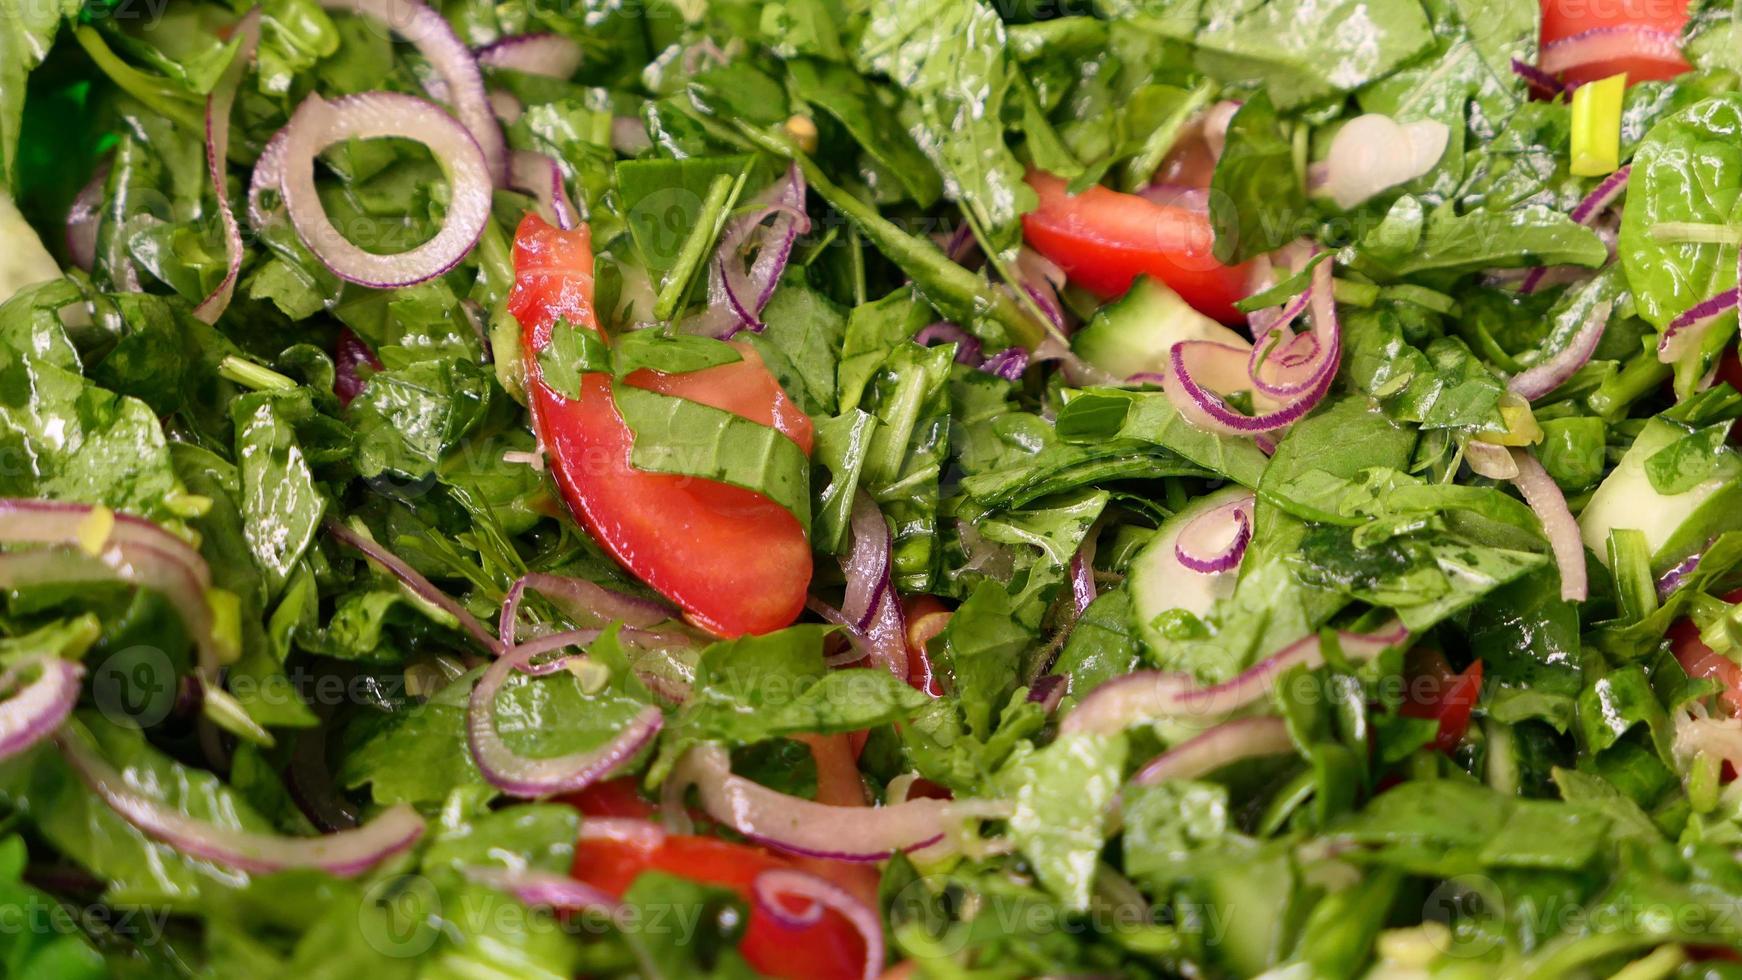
point(24, 42)
point(686, 438)
point(854, 103)
point(1257, 202)
point(1307, 51)
point(1062, 794)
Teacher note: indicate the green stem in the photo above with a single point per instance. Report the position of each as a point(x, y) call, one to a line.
point(255, 377)
point(712, 220)
point(1636, 379)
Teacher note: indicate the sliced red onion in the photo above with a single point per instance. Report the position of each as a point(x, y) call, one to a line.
point(433, 38)
point(35, 710)
point(83, 218)
point(1223, 745)
point(1373, 153)
point(1538, 79)
point(773, 887)
point(218, 106)
point(350, 356)
point(102, 546)
point(1221, 551)
point(967, 345)
point(1553, 371)
point(859, 645)
point(1487, 459)
point(1672, 579)
point(585, 602)
point(1545, 498)
point(505, 107)
point(540, 176)
point(871, 604)
point(318, 124)
point(800, 826)
point(268, 177)
point(1152, 695)
point(737, 295)
point(542, 889)
point(1606, 193)
point(551, 55)
point(1008, 363)
point(1041, 279)
point(520, 776)
point(1198, 371)
point(1602, 44)
point(1686, 332)
point(344, 854)
point(1082, 575)
point(415, 583)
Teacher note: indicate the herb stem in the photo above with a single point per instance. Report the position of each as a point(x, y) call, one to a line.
point(255, 377)
point(711, 221)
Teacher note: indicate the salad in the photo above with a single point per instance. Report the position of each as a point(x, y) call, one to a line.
point(831, 488)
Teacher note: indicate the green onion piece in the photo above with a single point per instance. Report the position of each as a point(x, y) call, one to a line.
point(1597, 126)
point(1351, 293)
point(1630, 565)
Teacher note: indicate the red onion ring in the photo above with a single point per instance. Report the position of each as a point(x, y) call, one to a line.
point(520, 776)
point(139, 565)
point(1009, 363)
point(1553, 371)
point(1223, 745)
point(268, 176)
point(550, 55)
point(871, 603)
point(1672, 579)
point(415, 583)
point(585, 602)
point(770, 887)
point(1586, 211)
point(344, 854)
point(318, 124)
point(218, 106)
point(1048, 691)
point(967, 345)
point(1545, 498)
point(800, 826)
point(83, 218)
point(644, 834)
point(429, 32)
point(36, 710)
point(1213, 559)
point(629, 136)
point(1538, 79)
point(505, 107)
point(736, 295)
point(540, 176)
point(1152, 695)
point(1197, 370)
point(1609, 43)
point(541, 889)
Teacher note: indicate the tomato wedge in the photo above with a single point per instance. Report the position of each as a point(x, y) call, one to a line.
point(827, 949)
point(1436, 692)
point(1104, 239)
point(1624, 42)
point(734, 560)
point(1703, 663)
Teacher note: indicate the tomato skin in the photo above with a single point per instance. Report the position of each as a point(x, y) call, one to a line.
point(1702, 663)
point(1562, 19)
point(734, 560)
point(1104, 239)
point(825, 950)
point(1435, 692)
point(926, 618)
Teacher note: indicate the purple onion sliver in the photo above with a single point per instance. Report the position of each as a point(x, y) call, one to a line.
point(550, 55)
point(967, 345)
point(1048, 691)
point(1672, 579)
point(83, 218)
point(36, 710)
point(414, 580)
point(1685, 332)
point(1602, 196)
point(1221, 561)
point(1537, 78)
point(1008, 363)
point(1553, 371)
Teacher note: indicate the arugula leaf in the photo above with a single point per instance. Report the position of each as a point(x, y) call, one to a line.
point(854, 103)
point(1257, 201)
point(1305, 51)
point(951, 61)
point(686, 438)
point(1062, 795)
point(982, 649)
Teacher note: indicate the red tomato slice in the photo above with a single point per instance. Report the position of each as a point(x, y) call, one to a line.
point(1702, 663)
point(735, 561)
point(1563, 19)
point(1103, 240)
point(827, 949)
point(1436, 692)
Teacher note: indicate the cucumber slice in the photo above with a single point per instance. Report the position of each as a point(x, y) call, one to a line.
point(1159, 583)
point(23, 260)
point(1675, 525)
point(1134, 333)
